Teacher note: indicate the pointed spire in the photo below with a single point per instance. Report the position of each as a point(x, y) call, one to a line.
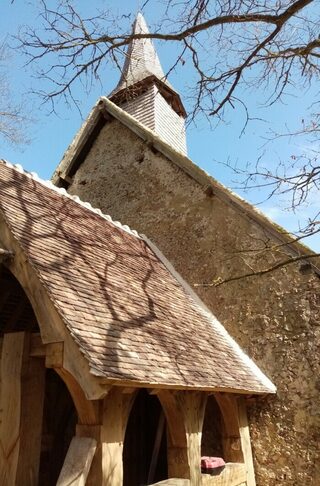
point(142, 59)
point(144, 92)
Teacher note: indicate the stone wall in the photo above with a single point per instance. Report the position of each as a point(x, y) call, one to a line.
point(275, 317)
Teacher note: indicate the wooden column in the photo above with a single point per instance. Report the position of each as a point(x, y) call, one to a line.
point(193, 407)
point(116, 410)
point(246, 442)
point(21, 409)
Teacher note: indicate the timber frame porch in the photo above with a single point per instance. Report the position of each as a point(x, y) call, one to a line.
point(95, 455)
point(63, 313)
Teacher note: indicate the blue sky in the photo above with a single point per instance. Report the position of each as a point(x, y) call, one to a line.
point(208, 146)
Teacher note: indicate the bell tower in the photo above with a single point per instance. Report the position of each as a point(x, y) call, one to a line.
point(144, 92)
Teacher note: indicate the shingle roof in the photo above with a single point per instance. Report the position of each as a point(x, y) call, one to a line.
point(141, 60)
point(130, 317)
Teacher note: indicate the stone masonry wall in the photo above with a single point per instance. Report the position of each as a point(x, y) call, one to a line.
point(274, 317)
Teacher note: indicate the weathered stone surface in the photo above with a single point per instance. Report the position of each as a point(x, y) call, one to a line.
point(274, 317)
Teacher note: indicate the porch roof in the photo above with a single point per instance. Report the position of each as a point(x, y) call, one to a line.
point(131, 318)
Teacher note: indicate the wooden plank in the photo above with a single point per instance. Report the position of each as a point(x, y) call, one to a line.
point(78, 461)
point(10, 405)
point(32, 400)
point(169, 386)
point(246, 442)
point(174, 417)
point(21, 404)
point(232, 475)
point(112, 438)
point(128, 390)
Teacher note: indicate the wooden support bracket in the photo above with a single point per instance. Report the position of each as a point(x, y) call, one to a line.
point(52, 352)
point(54, 355)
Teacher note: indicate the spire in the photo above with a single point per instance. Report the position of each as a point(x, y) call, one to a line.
point(142, 59)
point(144, 92)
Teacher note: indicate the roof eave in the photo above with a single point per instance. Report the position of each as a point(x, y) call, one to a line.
point(134, 90)
point(180, 386)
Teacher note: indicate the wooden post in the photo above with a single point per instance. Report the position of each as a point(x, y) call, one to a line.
point(178, 465)
point(245, 442)
point(21, 408)
point(193, 407)
point(116, 410)
point(94, 432)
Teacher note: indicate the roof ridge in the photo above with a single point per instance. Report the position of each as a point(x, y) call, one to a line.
point(60, 190)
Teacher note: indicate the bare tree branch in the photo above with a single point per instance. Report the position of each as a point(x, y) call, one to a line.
point(13, 120)
point(219, 281)
point(231, 45)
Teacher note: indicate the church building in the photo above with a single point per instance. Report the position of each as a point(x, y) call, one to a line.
point(141, 352)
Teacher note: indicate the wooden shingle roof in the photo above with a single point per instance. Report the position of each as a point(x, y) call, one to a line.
point(141, 60)
point(130, 317)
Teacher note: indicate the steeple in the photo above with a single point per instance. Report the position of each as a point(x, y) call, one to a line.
point(141, 60)
point(144, 92)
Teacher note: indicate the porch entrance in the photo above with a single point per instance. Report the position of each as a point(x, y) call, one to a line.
point(58, 428)
point(145, 445)
point(37, 413)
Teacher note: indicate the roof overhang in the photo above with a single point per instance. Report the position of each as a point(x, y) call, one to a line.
point(133, 91)
point(50, 279)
